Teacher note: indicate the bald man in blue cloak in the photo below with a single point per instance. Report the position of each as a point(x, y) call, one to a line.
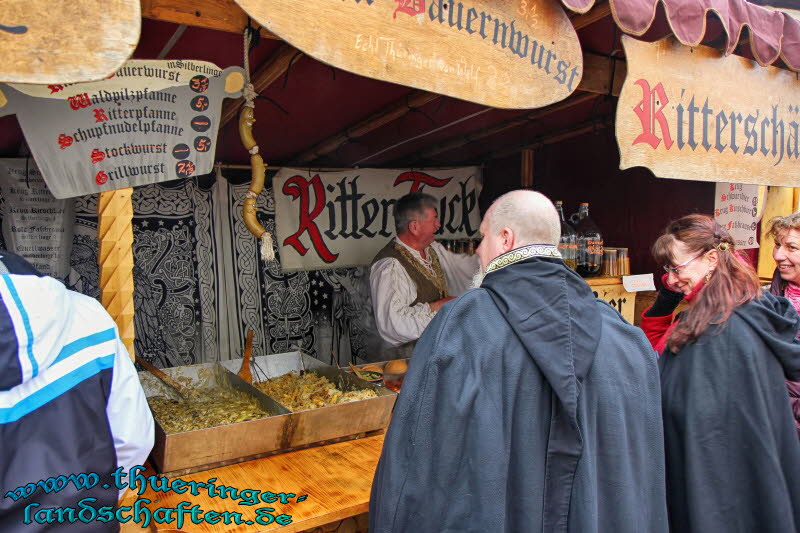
point(529, 405)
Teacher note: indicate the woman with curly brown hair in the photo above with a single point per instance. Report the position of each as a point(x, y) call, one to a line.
point(785, 231)
point(733, 457)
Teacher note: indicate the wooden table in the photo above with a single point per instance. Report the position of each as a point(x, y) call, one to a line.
point(337, 479)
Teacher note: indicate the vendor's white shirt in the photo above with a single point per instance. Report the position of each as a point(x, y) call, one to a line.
point(393, 290)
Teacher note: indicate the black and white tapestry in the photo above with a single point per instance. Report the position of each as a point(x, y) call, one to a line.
point(174, 279)
point(326, 313)
point(200, 284)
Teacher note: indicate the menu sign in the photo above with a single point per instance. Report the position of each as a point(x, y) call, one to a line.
point(36, 226)
point(736, 210)
point(152, 121)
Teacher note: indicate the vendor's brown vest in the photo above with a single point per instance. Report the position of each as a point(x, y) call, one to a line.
point(426, 290)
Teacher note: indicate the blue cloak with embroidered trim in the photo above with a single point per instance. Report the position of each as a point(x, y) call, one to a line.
point(529, 405)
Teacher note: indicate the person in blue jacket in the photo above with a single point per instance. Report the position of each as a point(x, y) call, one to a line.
point(70, 404)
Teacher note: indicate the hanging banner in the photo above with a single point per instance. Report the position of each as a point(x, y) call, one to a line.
point(66, 42)
point(342, 219)
point(690, 113)
point(736, 210)
point(514, 55)
point(152, 121)
point(36, 226)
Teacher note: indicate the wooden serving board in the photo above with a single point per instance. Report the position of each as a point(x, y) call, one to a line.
point(337, 479)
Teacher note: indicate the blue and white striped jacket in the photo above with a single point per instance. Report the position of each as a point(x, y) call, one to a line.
point(70, 399)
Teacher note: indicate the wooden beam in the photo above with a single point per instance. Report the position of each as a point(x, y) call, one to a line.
point(462, 140)
point(526, 169)
point(557, 136)
point(388, 114)
point(222, 15)
point(273, 68)
point(115, 259)
point(598, 12)
point(597, 73)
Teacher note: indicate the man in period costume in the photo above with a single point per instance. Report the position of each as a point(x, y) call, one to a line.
point(529, 405)
point(413, 276)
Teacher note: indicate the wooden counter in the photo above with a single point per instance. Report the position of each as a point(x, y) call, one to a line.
point(337, 479)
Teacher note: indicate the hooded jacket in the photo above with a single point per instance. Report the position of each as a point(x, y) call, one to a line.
point(733, 457)
point(529, 406)
point(778, 288)
point(70, 404)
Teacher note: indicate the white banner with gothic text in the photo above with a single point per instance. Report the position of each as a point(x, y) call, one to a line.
point(342, 219)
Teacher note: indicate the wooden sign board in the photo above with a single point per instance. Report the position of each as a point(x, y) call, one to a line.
point(514, 54)
point(690, 113)
point(152, 121)
point(615, 294)
point(42, 41)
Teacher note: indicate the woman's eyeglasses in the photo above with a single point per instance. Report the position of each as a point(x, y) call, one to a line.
point(677, 268)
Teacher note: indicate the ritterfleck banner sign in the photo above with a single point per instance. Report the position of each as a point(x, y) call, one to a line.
point(521, 54)
point(342, 219)
point(150, 122)
point(690, 113)
point(36, 226)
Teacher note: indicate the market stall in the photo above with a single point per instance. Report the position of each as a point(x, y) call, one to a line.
point(180, 264)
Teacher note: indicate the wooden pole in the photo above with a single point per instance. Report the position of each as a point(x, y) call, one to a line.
point(526, 178)
point(115, 258)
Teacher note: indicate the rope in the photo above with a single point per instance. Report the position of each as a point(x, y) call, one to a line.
point(249, 92)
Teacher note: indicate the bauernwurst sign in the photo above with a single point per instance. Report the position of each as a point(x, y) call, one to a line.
point(342, 219)
point(515, 54)
point(690, 113)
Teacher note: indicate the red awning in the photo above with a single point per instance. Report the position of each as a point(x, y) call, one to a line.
point(773, 34)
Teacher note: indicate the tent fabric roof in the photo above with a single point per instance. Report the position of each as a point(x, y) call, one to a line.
point(773, 34)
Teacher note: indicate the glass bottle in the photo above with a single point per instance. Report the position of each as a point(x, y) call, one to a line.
point(568, 243)
point(590, 244)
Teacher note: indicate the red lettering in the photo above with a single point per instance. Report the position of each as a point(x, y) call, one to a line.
point(79, 101)
point(55, 88)
point(298, 187)
point(410, 7)
point(100, 115)
point(97, 156)
point(64, 141)
point(101, 178)
point(420, 179)
point(648, 117)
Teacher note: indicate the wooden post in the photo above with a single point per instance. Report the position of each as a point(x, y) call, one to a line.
point(115, 258)
point(780, 202)
point(526, 177)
